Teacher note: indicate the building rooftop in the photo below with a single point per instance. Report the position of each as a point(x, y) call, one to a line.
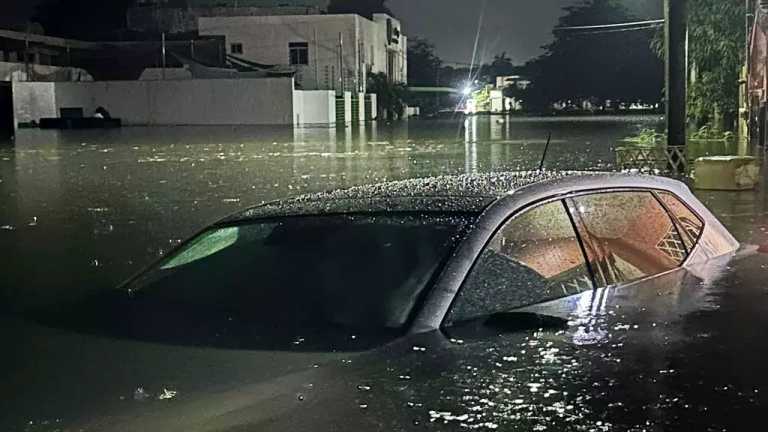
point(319, 4)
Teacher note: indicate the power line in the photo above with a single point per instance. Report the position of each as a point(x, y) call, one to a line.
point(613, 26)
point(620, 30)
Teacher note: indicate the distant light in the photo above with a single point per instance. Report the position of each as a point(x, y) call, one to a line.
point(467, 91)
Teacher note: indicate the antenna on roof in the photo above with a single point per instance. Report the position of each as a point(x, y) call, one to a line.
point(546, 149)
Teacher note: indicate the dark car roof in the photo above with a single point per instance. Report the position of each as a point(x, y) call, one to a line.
point(461, 193)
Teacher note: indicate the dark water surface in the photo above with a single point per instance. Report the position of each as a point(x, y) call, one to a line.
point(83, 210)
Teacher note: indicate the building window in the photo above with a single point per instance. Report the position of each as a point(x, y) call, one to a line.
point(299, 53)
point(236, 48)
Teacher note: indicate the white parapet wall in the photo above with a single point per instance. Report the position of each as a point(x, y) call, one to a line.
point(347, 108)
point(33, 101)
point(372, 106)
point(267, 101)
point(314, 107)
point(361, 107)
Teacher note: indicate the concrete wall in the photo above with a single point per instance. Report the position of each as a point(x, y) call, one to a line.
point(156, 74)
point(188, 102)
point(361, 107)
point(314, 107)
point(32, 101)
point(347, 107)
point(412, 111)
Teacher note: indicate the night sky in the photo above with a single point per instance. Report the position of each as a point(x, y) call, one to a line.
point(517, 27)
point(14, 12)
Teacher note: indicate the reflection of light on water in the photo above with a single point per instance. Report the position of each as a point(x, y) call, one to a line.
point(470, 145)
point(519, 383)
point(587, 310)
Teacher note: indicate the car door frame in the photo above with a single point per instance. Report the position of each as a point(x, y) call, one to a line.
point(715, 240)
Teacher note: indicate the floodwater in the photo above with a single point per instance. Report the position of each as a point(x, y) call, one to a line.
point(82, 210)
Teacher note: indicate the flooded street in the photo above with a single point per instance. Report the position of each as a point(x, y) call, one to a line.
point(83, 210)
point(383, 215)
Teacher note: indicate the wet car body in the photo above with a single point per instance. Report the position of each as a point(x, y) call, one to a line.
point(678, 350)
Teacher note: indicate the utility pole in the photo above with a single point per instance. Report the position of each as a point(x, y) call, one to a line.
point(437, 84)
point(341, 61)
point(747, 27)
point(745, 110)
point(163, 55)
point(26, 53)
point(676, 71)
point(315, 57)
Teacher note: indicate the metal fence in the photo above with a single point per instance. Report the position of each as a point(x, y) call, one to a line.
point(672, 161)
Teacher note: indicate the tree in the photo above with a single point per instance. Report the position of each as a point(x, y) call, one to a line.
point(83, 19)
point(364, 8)
point(501, 66)
point(424, 70)
point(716, 56)
point(596, 65)
point(390, 96)
point(423, 64)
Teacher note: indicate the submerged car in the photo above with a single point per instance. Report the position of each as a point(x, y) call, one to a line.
point(520, 301)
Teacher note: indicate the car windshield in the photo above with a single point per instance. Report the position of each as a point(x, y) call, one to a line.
point(316, 281)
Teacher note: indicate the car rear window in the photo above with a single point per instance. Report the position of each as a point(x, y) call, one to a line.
point(691, 226)
point(627, 236)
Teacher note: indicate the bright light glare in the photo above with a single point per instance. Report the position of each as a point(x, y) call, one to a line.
point(467, 91)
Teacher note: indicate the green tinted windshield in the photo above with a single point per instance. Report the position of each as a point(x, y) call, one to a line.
point(304, 275)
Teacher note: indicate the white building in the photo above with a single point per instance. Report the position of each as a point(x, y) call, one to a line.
point(329, 52)
point(518, 81)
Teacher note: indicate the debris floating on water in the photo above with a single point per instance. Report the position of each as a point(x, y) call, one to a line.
point(167, 394)
point(140, 394)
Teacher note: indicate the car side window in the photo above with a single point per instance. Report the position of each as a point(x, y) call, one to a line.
point(534, 258)
point(627, 236)
point(691, 226)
